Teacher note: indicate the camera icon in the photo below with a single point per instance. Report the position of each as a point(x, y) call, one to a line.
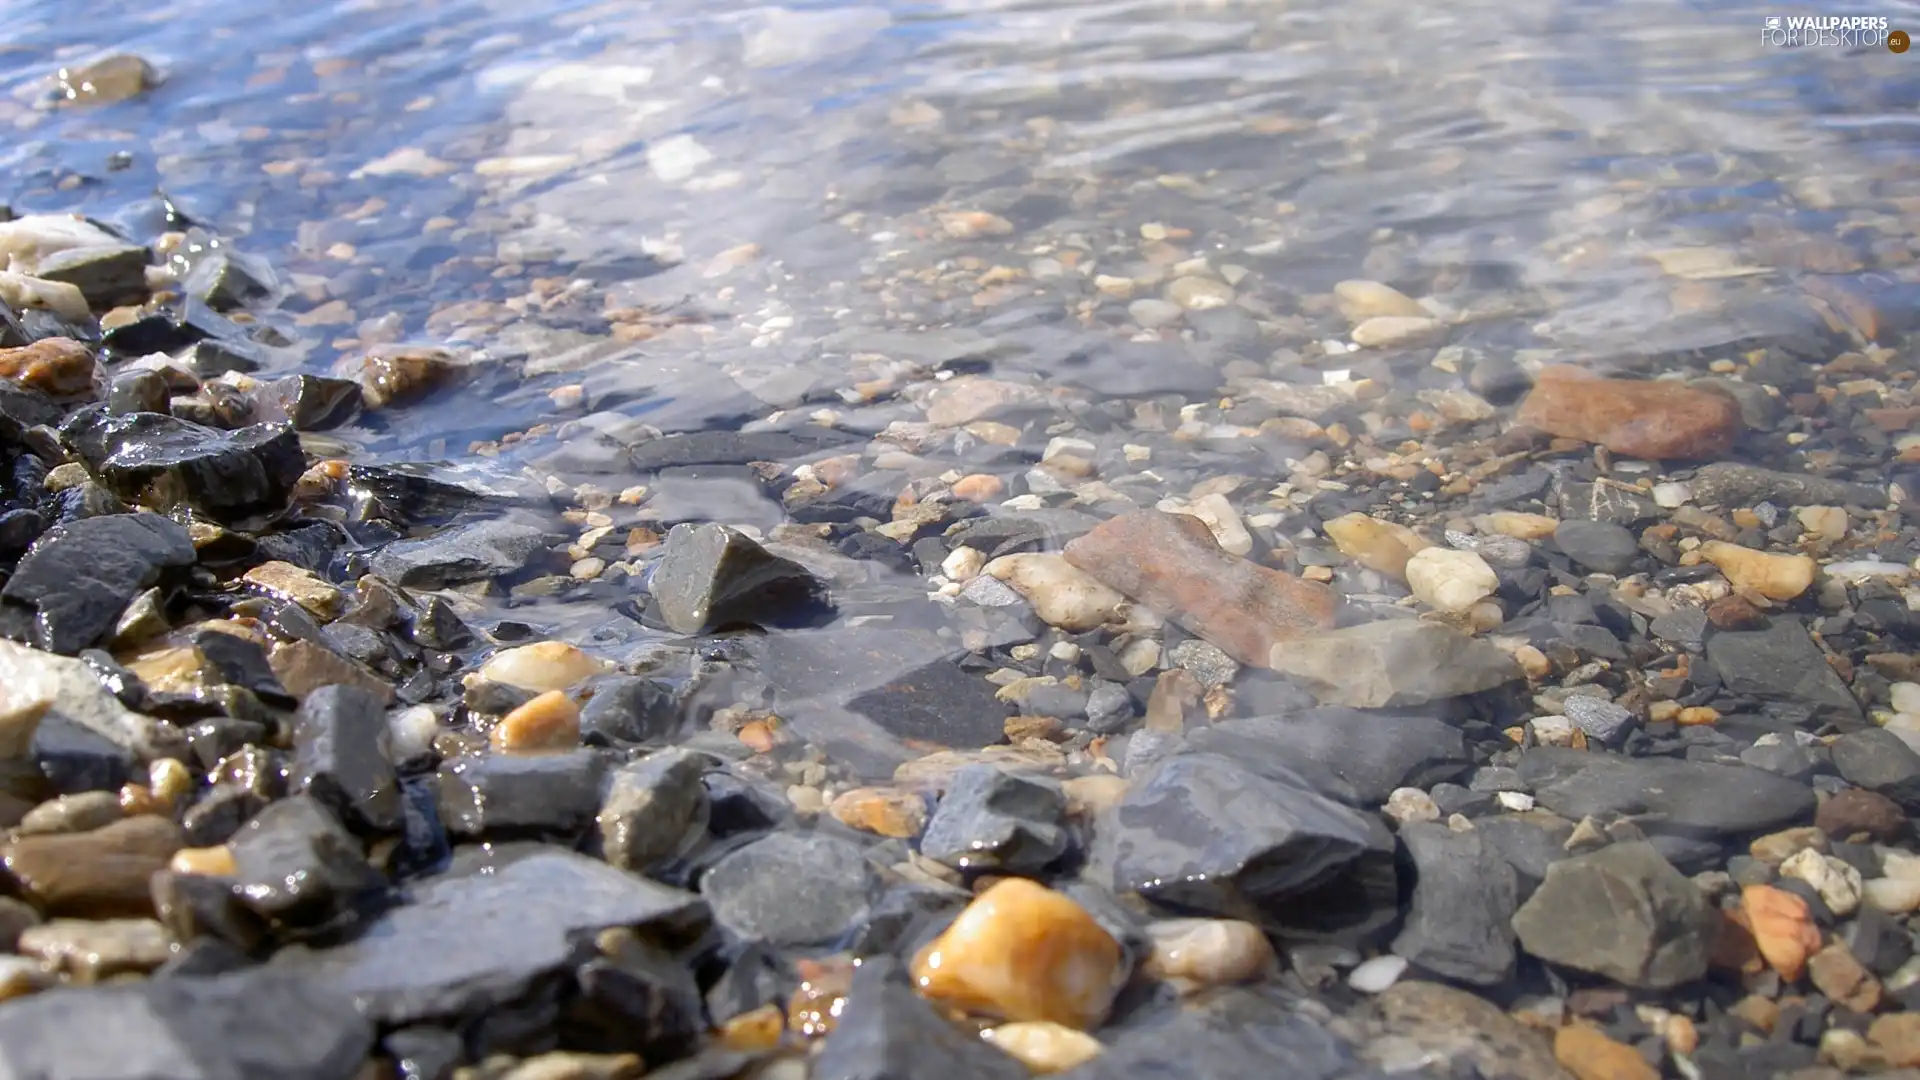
point(1773, 22)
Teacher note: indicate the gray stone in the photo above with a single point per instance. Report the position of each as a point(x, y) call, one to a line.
point(1395, 662)
point(1881, 762)
point(888, 1032)
point(1530, 843)
point(1371, 752)
point(343, 756)
point(1733, 485)
point(1685, 627)
point(1697, 797)
point(295, 864)
point(1454, 1033)
point(1598, 545)
point(548, 794)
point(710, 577)
point(107, 276)
point(1205, 660)
point(1205, 833)
point(1109, 707)
point(1781, 663)
point(1623, 912)
point(1459, 923)
point(475, 551)
point(1230, 1035)
point(1605, 503)
point(243, 1026)
point(654, 806)
point(478, 936)
point(734, 447)
point(1147, 748)
point(789, 890)
point(164, 462)
point(992, 820)
point(80, 576)
point(1599, 718)
point(630, 709)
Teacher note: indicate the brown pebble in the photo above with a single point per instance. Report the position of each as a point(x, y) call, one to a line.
point(1735, 613)
point(1018, 728)
point(1843, 979)
point(58, 366)
point(1857, 810)
point(1653, 420)
point(1898, 1036)
point(1587, 1053)
point(98, 874)
point(888, 812)
point(1757, 1012)
point(757, 734)
point(1783, 928)
point(1696, 716)
point(207, 861)
point(550, 721)
point(979, 488)
point(754, 1031)
point(822, 993)
point(1021, 951)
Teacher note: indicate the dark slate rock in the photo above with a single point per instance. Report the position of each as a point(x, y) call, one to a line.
point(1372, 751)
point(734, 448)
point(888, 1032)
point(437, 626)
point(242, 1026)
point(1881, 762)
point(219, 813)
point(630, 709)
point(226, 280)
point(1529, 843)
point(137, 392)
point(226, 475)
point(197, 907)
point(1231, 1035)
point(295, 864)
point(80, 576)
point(1460, 921)
point(75, 758)
point(711, 577)
point(477, 937)
point(789, 889)
point(106, 276)
point(1734, 485)
point(1623, 912)
point(992, 820)
point(553, 794)
point(1202, 832)
point(240, 662)
point(424, 1052)
point(1598, 545)
point(739, 805)
point(638, 998)
point(211, 359)
point(434, 493)
point(343, 756)
point(1683, 796)
point(315, 402)
point(1685, 627)
point(1782, 664)
point(1028, 530)
point(654, 806)
point(472, 552)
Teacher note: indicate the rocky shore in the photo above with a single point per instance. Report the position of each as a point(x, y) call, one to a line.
point(1397, 705)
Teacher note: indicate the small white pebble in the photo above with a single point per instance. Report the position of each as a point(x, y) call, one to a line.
point(1375, 976)
point(1517, 801)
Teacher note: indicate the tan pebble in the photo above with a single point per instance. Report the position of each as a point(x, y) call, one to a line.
point(1021, 951)
point(758, 735)
point(1533, 662)
point(1837, 974)
point(210, 861)
point(970, 224)
point(1660, 712)
point(550, 721)
point(1361, 300)
point(137, 799)
point(1208, 952)
point(1321, 574)
point(1045, 1048)
point(1696, 715)
point(806, 799)
point(1827, 523)
point(1020, 728)
point(1061, 594)
point(1777, 577)
point(170, 781)
point(1681, 1036)
point(816, 1003)
point(887, 812)
point(58, 366)
point(1587, 1053)
point(1516, 524)
point(1380, 546)
point(1776, 848)
point(1782, 928)
point(979, 488)
point(1387, 331)
point(1898, 1037)
point(544, 665)
point(754, 1031)
point(1091, 796)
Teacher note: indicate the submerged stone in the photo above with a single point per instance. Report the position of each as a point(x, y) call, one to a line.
point(711, 577)
point(163, 462)
point(79, 577)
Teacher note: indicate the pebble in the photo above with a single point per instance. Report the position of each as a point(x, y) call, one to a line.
point(979, 488)
point(1021, 951)
point(889, 812)
point(1898, 1037)
point(963, 564)
point(206, 861)
point(1199, 293)
point(1837, 973)
point(550, 721)
point(1410, 804)
point(1828, 523)
point(1361, 300)
point(1152, 314)
point(1208, 952)
point(1061, 594)
point(1380, 546)
point(1450, 581)
point(1651, 420)
point(1857, 810)
point(1837, 882)
point(290, 582)
point(91, 950)
point(1378, 974)
point(542, 666)
point(1776, 576)
point(78, 813)
point(1587, 1053)
point(1044, 1047)
point(1782, 927)
point(1390, 331)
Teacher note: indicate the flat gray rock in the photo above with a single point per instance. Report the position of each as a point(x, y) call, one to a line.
point(787, 889)
point(1694, 797)
point(1464, 895)
point(1373, 752)
point(464, 553)
point(1781, 663)
point(1393, 662)
point(80, 576)
point(1623, 912)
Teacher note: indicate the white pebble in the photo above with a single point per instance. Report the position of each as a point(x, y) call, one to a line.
point(1837, 882)
point(1517, 801)
point(1671, 495)
point(1409, 804)
point(1448, 580)
point(1375, 976)
point(963, 564)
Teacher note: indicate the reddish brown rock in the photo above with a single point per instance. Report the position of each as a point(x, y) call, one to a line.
point(1857, 810)
point(1641, 419)
point(59, 366)
point(1172, 564)
point(1735, 613)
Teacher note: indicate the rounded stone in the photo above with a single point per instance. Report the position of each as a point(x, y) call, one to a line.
point(790, 890)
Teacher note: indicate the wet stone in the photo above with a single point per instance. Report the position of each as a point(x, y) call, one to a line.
point(1023, 952)
point(732, 448)
point(1598, 545)
point(58, 367)
point(80, 576)
point(1464, 898)
point(556, 794)
point(630, 709)
point(1395, 662)
point(479, 935)
point(711, 577)
point(102, 873)
point(887, 1032)
point(152, 458)
point(1623, 912)
point(1731, 485)
point(1691, 797)
point(652, 807)
point(1880, 762)
point(1782, 664)
point(1856, 811)
point(992, 820)
point(474, 551)
point(91, 950)
point(107, 276)
point(296, 865)
point(788, 889)
point(343, 757)
point(1374, 752)
point(77, 813)
point(1599, 718)
point(1233, 1034)
point(248, 1024)
point(1651, 420)
point(1459, 1032)
point(1202, 832)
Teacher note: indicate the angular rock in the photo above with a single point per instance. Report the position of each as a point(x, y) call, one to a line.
point(652, 806)
point(521, 793)
point(1373, 752)
point(295, 864)
point(474, 551)
point(480, 935)
point(1881, 762)
point(343, 756)
point(1230, 1035)
point(1687, 797)
point(1650, 420)
point(103, 873)
point(241, 1026)
point(58, 367)
point(303, 667)
point(1395, 662)
point(790, 890)
point(711, 577)
point(1201, 832)
point(630, 709)
point(992, 820)
point(1781, 663)
point(163, 462)
point(1459, 1034)
point(1172, 564)
point(107, 275)
point(888, 1032)
point(1623, 912)
point(1464, 896)
point(1732, 485)
point(80, 576)
point(1024, 952)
